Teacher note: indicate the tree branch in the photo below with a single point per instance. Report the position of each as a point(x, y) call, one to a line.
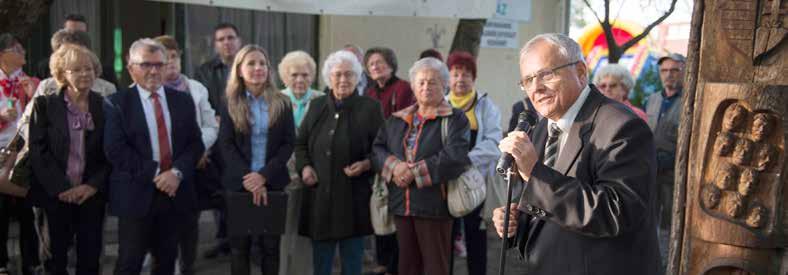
point(607, 11)
point(651, 26)
point(593, 11)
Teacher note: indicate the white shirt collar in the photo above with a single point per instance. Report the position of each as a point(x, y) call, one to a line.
point(15, 74)
point(565, 122)
point(145, 94)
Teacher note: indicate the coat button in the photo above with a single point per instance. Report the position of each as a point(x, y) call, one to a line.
point(330, 132)
point(336, 116)
point(328, 153)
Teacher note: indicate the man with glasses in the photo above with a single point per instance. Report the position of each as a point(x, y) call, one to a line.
point(587, 205)
point(664, 113)
point(153, 143)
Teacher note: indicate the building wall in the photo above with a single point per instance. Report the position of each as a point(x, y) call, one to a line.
point(498, 70)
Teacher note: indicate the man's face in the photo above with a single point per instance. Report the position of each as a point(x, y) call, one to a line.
point(226, 42)
point(75, 26)
point(671, 72)
point(553, 97)
point(148, 70)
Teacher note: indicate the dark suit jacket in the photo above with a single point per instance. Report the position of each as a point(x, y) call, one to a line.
point(237, 152)
point(127, 145)
point(595, 212)
point(50, 145)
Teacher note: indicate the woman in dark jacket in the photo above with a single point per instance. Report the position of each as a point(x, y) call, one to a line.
point(333, 152)
point(256, 138)
point(416, 163)
point(67, 155)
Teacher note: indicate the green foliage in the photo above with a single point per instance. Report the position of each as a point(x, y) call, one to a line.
point(646, 84)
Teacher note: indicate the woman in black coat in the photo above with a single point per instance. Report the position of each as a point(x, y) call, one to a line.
point(256, 137)
point(333, 151)
point(69, 166)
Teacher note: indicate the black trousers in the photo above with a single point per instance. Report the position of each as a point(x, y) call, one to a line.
point(187, 243)
point(28, 240)
point(67, 221)
point(157, 233)
point(269, 247)
point(387, 251)
point(475, 241)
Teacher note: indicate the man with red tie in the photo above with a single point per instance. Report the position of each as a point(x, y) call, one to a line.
point(153, 142)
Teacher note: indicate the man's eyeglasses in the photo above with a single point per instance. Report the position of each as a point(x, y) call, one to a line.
point(150, 65)
point(543, 76)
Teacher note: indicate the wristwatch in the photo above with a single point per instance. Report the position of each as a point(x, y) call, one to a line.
point(177, 173)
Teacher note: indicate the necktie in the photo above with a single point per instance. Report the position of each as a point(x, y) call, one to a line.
point(165, 156)
point(551, 148)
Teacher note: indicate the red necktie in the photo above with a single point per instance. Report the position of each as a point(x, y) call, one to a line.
point(165, 156)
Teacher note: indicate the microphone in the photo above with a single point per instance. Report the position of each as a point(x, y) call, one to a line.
point(525, 121)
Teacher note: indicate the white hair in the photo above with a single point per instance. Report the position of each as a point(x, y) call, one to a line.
point(145, 44)
point(567, 48)
point(430, 63)
point(337, 58)
point(616, 71)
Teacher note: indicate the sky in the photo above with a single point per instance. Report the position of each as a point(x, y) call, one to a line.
point(642, 12)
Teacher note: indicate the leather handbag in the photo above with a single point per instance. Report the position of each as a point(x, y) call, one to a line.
point(382, 220)
point(466, 192)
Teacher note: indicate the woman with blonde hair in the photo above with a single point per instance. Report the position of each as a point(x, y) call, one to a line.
point(67, 157)
point(256, 137)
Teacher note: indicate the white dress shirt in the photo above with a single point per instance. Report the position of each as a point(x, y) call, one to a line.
point(565, 122)
point(150, 118)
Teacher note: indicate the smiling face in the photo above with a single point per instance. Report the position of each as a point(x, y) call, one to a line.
point(554, 97)
point(80, 74)
point(254, 69)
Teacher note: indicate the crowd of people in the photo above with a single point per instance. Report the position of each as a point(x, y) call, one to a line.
point(157, 153)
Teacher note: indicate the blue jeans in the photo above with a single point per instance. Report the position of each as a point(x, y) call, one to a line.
point(351, 251)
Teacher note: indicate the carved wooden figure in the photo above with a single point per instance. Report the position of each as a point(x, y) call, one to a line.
point(731, 195)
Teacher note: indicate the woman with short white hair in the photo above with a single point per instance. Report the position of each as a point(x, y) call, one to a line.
point(615, 82)
point(333, 149)
point(416, 163)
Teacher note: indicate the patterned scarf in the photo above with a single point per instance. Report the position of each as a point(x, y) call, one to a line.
point(299, 104)
point(180, 84)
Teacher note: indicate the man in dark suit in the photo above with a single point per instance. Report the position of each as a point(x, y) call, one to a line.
point(588, 205)
point(153, 142)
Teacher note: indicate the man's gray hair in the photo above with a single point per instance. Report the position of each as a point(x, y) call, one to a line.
point(430, 63)
point(617, 72)
point(337, 58)
point(567, 48)
point(148, 45)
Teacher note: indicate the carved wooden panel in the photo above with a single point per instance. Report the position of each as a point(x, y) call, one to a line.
point(750, 36)
point(737, 195)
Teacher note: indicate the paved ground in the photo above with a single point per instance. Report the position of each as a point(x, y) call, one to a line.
point(221, 265)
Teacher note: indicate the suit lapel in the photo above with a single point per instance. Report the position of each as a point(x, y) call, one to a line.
point(137, 115)
point(60, 122)
point(578, 133)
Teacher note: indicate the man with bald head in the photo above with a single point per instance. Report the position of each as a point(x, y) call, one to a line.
point(589, 166)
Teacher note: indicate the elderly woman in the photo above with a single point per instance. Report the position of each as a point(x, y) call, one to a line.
point(256, 138)
point(67, 156)
point(207, 180)
point(615, 82)
point(297, 71)
point(484, 120)
point(393, 93)
point(412, 157)
point(17, 89)
point(333, 150)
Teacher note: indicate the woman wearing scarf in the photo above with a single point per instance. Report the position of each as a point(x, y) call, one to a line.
point(484, 119)
point(297, 71)
point(208, 180)
point(17, 88)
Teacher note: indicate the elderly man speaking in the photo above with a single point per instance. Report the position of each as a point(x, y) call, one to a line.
point(588, 204)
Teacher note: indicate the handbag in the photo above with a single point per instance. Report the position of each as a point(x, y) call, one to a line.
point(466, 192)
point(382, 220)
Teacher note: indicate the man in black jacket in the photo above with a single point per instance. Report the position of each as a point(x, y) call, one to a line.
point(213, 74)
point(588, 205)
